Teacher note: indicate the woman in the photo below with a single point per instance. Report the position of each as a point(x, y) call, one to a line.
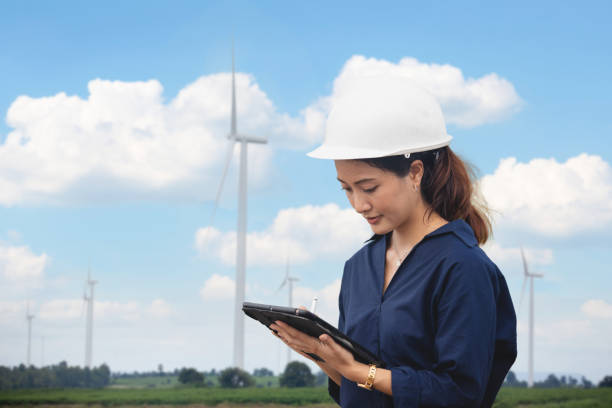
point(420, 293)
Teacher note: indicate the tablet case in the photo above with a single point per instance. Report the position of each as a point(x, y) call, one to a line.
point(308, 323)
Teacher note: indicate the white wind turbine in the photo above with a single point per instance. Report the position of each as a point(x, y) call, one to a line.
point(29, 318)
point(89, 300)
point(243, 140)
point(288, 280)
point(529, 276)
point(42, 351)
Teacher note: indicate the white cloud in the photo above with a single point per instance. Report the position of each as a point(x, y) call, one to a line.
point(597, 308)
point(465, 101)
point(562, 332)
point(552, 198)
point(124, 142)
point(565, 344)
point(69, 309)
point(111, 310)
point(510, 258)
point(327, 304)
point(159, 308)
point(12, 311)
point(20, 267)
point(62, 309)
point(302, 233)
point(218, 287)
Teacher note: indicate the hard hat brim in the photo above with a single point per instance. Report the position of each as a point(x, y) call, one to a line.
point(350, 153)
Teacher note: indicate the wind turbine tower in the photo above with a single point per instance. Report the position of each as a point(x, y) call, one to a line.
point(42, 351)
point(29, 318)
point(233, 138)
point(288, 280)
point(89, 299)
point(529, 276)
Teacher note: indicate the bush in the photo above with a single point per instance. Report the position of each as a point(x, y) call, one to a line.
point(512, 381)
point(606, 382)
point(297, 374)
point(234, 377)
point(262, 372)
point(190, 376)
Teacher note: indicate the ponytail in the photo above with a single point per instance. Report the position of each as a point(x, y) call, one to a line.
point(448, 186)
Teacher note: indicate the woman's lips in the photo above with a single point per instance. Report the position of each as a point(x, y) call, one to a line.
point(374, 220)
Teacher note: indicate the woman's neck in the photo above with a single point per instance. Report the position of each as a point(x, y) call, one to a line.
point(412, 231)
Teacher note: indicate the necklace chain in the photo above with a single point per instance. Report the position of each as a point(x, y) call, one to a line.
point(400, 259)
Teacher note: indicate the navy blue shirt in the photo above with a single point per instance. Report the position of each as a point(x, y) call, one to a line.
point(445, 326)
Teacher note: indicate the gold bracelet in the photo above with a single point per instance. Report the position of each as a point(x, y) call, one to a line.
point(369, 383)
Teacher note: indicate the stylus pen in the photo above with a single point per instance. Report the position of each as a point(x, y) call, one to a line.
point(313, 306)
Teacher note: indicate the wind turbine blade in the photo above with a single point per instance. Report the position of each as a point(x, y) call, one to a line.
point(233, 130)
point(525, 270)
point(286, 277)
point(228, 159)
point(252, 139)
point(282, 285)
point(85, 298)
point(83, 307)
point(522, 293)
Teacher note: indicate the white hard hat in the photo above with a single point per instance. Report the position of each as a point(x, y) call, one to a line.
point(382, 116)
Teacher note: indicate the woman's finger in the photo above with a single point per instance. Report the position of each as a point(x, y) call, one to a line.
point(287, 331)
point(328, 342)
point(294, 332)
point(296, 343)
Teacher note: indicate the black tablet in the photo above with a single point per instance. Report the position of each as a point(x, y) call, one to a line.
point(308, 323)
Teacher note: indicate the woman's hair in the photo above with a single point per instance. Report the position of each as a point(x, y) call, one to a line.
point(447, 186)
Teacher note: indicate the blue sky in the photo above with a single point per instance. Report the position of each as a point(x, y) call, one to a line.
point(138, 227)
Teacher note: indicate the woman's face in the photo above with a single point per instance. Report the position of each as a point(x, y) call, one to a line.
point(384, 199)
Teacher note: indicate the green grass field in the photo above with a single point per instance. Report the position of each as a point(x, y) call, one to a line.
point(165, 396)
point(554, 397)
point(169, 381)
point(258, 397)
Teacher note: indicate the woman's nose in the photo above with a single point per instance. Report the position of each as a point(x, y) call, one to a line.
point(361, 204)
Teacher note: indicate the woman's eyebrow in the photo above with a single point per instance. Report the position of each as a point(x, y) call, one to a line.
point(357, 182)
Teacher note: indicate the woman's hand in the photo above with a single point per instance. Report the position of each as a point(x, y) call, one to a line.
point(335, 356)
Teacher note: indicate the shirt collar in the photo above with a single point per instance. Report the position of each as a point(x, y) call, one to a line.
point(459, 228)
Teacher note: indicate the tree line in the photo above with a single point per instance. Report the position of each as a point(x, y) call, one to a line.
point(552, 381)
point(55, 376)
point(296, 374)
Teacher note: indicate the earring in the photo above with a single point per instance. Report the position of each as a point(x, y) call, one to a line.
point(416, 187)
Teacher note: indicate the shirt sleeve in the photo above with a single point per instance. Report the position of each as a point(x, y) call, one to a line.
point(465, 322)
point(332, 387)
